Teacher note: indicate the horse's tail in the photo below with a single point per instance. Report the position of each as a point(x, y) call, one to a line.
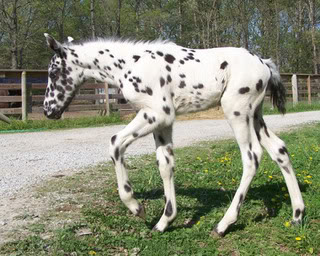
point(277, 89)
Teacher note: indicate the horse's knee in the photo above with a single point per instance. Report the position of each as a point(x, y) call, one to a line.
point(114, 148)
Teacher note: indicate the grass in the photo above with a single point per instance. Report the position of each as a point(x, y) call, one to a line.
point(67, 123)
point(95, 222)
point(95, 121)
point(300, 107)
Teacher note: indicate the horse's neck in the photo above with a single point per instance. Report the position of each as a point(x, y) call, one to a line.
point(105, 60)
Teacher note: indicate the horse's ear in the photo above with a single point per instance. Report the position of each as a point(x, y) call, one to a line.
point(55, 46)
point(70, 39)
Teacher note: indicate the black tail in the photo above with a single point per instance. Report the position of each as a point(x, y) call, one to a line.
point(277, 89)
point(278, 95)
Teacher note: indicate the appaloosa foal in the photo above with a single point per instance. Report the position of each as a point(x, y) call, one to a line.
point(163, 79)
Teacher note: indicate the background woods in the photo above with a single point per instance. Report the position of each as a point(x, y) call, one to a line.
point(286, 30)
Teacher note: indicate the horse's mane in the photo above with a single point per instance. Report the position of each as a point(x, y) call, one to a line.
point(115, 39)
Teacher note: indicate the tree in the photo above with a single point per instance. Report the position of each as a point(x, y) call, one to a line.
point(312, 18)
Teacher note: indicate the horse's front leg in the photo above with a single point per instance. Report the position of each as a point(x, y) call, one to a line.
point(144, 123)
point(165, 161)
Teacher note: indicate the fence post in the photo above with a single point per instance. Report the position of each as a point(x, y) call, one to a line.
point(24, 96)
point(294, 82)
point(106, 89)
point(309, 89)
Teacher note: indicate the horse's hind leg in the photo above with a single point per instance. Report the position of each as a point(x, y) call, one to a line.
point(242, 124)
point(165, 161)
point(279, 153)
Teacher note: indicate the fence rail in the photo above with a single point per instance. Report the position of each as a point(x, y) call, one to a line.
point(28, 96)
point(90, 97)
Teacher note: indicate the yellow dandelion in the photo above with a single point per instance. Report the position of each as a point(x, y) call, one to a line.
point(299, 174)
point(233, 180)
point(298, 238)
point(287, 224)
point(198, 223)
point(206, 171)
point(310, 157)
point(308, 177)
point(199, 158)
point(219, 183)
point(292, 155)
point(270, 177)
point(92, 253)
point(308, 181)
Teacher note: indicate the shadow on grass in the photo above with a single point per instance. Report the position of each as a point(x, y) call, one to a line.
point(208, 199)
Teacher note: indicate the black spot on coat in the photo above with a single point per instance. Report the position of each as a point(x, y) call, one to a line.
point(167, 110)
point(256, 163)
point(169, 209)
point(224, 65)
point(135, 135)
point(244, 90)
point(160, 53)
point(162, 81)
point(169, 58)
point(149, 91)
point(113, 139)
point(136, 57)
point(283, 150)
point(182, 84)
point(259, 85)
point(116, 154)
point(127, 188)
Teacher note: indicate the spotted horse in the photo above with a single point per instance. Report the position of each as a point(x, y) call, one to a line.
point(163, 80)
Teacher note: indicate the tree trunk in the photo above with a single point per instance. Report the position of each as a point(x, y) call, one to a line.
point(119, 19)
point(93, 26)
point(14, 46)
point(181, 24)
point(312, 18)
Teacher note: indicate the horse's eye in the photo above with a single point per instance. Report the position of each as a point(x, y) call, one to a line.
point(52, 75)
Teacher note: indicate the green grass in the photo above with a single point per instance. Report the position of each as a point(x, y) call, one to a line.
point(42, 125)
point(206, 178)
point(68, 123)
point(300, 107)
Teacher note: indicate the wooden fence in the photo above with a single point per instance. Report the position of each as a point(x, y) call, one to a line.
point(302, 87)
point(91, 97)
point(29, 96)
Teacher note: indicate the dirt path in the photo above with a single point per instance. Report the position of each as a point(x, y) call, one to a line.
point(29, 158)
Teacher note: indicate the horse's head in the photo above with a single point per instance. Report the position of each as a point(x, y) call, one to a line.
point(64, 78)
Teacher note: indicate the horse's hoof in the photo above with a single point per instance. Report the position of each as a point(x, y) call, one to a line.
point(217, 234)
point(141, 212)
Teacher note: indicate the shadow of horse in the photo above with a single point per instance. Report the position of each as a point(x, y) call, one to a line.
point(210, 198)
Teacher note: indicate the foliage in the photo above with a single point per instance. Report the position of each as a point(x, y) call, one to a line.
point(274, 28)
point(206, 177)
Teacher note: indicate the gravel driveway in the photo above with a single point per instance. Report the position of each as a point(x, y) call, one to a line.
point(27, 158)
